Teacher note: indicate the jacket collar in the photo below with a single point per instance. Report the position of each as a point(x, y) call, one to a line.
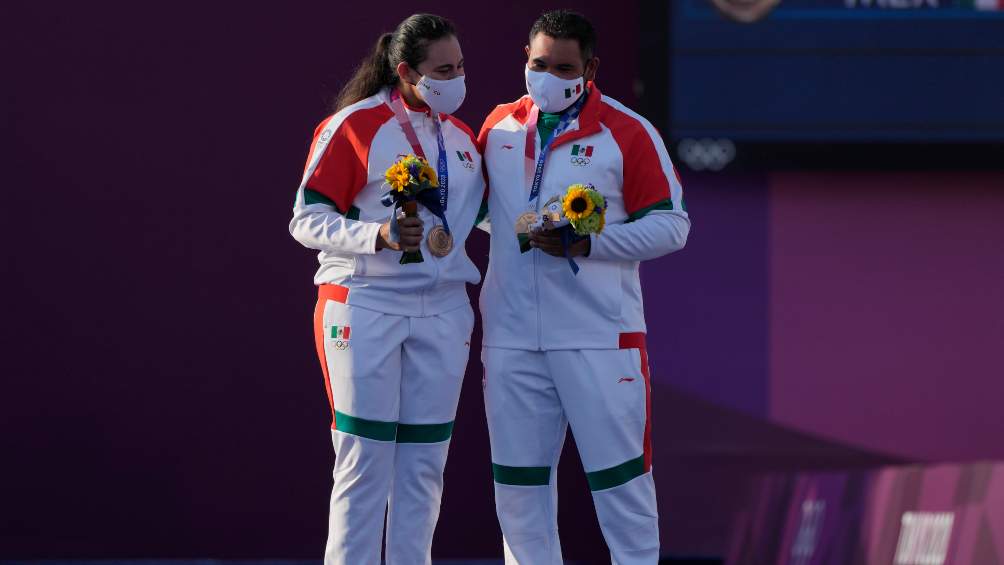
point(391, 93)
point(589, 118)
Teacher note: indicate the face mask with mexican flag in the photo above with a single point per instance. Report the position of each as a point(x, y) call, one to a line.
point(550, 93)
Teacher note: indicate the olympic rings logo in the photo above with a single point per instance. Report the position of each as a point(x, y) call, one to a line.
point(341, 345)
point(707, 154)
point(468, 165)
point(580, 161)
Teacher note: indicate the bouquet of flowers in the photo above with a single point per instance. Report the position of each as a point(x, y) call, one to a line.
point(585, 209)
point(410, 179)
point(581, 212)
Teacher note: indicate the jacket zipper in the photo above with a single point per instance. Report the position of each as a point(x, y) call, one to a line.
point(536, 299)
point(536, 253)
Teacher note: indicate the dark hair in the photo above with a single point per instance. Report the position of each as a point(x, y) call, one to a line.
point(566, 24)
point(408, 43)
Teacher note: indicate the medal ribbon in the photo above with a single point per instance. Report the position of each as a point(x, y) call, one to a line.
point(535, 173)
point(534, 168)
point(435, 204)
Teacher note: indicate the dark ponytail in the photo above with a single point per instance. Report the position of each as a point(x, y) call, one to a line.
point(408, 43)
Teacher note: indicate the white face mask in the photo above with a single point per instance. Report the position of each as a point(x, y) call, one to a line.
point(443, 96)
point(550, 93)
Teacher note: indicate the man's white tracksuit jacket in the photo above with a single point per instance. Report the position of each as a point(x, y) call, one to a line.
point(563, 349)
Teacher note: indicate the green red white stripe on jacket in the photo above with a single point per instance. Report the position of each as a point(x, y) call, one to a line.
point(582, 150)
point(340, 332)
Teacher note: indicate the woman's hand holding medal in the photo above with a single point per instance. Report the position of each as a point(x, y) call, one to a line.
point(410, 180)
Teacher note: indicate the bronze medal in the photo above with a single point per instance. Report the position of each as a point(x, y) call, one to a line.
point(524, 221)
point(440, 243)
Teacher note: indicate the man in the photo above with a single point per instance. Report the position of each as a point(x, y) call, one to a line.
point(562, 348)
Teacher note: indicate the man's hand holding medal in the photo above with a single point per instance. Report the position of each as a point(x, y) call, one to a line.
point(563, 226)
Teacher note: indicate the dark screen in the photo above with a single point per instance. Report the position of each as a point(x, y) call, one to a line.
point(839, 71)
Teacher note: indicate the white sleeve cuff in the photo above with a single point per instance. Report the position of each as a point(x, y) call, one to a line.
point(597, 247)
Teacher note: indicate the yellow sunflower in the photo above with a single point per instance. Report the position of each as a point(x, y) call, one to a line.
point(428, 174)
point(397, 176)
point(577, 204)
point(402, 181)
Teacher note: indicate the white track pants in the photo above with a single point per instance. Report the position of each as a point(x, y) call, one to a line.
point(393, 383)
point(531, 397)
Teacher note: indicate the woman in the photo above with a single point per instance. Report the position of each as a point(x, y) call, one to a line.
point(393, 339)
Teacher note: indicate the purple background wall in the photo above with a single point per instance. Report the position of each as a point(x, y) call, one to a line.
point(707, 307)
point(887, 310)
point(862, 307)
point(161, 395)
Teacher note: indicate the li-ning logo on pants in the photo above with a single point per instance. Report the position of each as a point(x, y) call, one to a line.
point(581, 155)
point(466, 160)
